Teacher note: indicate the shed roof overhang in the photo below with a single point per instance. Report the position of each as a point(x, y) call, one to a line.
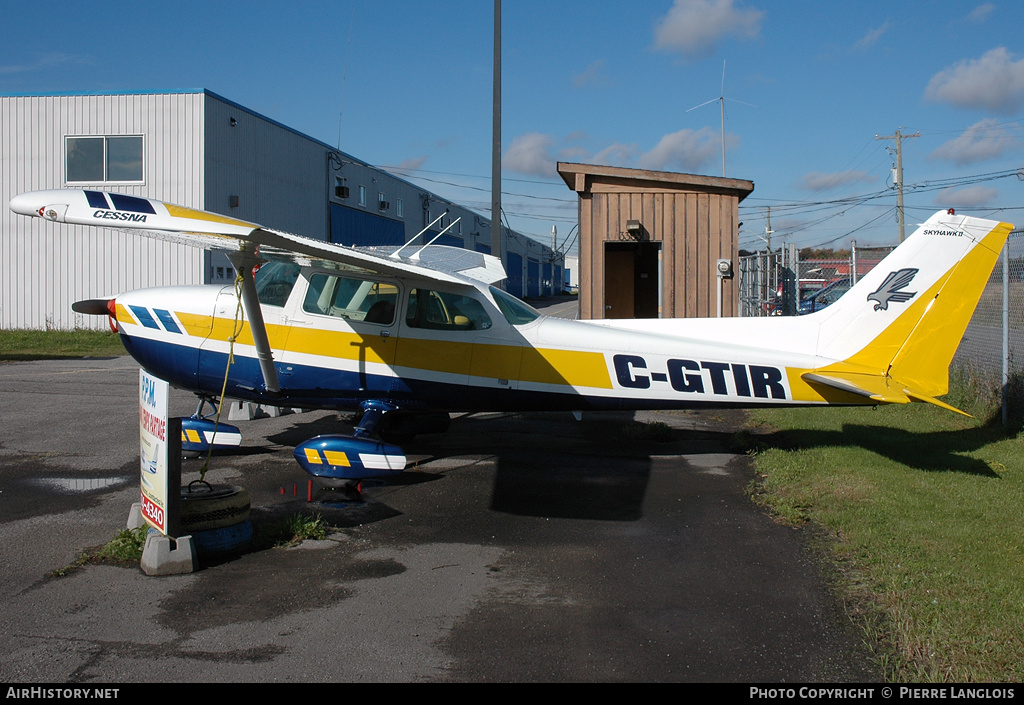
point(584, 178)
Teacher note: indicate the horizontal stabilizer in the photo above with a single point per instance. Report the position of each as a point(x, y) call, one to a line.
point(884, 390)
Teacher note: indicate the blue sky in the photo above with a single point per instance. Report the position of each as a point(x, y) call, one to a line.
point(407, 85)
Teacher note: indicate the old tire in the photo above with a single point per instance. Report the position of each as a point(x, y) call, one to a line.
point(209, 507)
point(225, 541)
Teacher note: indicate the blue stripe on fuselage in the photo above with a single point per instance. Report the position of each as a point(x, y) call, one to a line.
point(144, 316)
point(311, 387)
point(167, 319)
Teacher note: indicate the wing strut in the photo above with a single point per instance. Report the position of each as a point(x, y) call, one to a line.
point(244, 261)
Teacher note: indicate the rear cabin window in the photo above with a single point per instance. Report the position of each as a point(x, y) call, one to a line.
point(352, 299)
point(440, 310)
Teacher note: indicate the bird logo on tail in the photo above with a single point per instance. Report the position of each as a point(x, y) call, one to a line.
point(892, 289)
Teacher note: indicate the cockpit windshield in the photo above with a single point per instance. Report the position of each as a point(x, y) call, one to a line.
point(515, 311)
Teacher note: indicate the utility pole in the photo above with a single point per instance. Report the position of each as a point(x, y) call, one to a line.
point(899, 173)
point(496, 238)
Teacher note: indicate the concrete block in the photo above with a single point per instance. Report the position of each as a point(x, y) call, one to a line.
point(135, 519)
point(163, 555)
point(242, 411)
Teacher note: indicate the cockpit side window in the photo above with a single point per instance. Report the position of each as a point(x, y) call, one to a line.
point(440, 310)
point(515, 311)
point(275, 281)
point(352, 299)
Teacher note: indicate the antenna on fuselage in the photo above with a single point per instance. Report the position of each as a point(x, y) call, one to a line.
point(395, 253)
point(416, 254)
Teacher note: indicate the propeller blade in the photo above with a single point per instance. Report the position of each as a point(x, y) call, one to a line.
point(92, 307)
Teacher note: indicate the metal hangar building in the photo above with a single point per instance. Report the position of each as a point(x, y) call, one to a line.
point(198, 149)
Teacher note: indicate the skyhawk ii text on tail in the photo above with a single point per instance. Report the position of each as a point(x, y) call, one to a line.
point(408, 336)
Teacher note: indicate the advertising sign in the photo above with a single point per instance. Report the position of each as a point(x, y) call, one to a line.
point(159, 455)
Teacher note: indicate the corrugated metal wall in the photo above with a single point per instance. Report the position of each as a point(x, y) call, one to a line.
point(278, 175)
point(201, 151)
point(48, 266)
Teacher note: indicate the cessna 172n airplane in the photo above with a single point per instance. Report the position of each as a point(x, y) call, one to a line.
point(406, 336)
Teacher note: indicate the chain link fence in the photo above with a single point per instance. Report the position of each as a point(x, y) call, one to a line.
point(780, 284)
point(991, 353)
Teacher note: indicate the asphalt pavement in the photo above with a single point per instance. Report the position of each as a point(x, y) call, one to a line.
point(516, 548)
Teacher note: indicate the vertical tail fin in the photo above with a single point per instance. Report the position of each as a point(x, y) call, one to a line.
point(894, 334)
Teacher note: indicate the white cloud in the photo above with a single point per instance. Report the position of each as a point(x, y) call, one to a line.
point(42, 62)
point(966, 197)
point(694, 27)
point(411, 164)
point(617, 154)
point(689, 151)
point(531, 154)
point(981, 12)
point(872, 37)
point(981, 141)
point(819, 181)
point(686, 150)
point(994, 82)
point(593, 75)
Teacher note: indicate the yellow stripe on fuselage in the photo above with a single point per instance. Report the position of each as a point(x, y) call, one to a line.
point(574, 368)
point(122, 315)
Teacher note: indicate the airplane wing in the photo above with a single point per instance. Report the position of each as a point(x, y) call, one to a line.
point(211, 230)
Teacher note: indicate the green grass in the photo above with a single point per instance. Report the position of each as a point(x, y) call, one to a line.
point(20, 344)
point(125, 549)
point(291, 531)
point(924, 513)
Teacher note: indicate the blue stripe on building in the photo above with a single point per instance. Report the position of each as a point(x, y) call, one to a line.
point(351, 226)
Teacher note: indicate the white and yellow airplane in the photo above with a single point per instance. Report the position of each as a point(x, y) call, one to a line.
point(410, 335)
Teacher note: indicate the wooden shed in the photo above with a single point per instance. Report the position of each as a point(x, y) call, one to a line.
point(655, 244)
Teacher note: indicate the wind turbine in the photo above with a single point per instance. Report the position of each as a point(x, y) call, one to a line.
point(721, 101)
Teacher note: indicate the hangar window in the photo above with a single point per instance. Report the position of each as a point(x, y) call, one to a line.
point(112, 158)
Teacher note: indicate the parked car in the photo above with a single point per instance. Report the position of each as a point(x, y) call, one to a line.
point(823, 298)
point(774, 306)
